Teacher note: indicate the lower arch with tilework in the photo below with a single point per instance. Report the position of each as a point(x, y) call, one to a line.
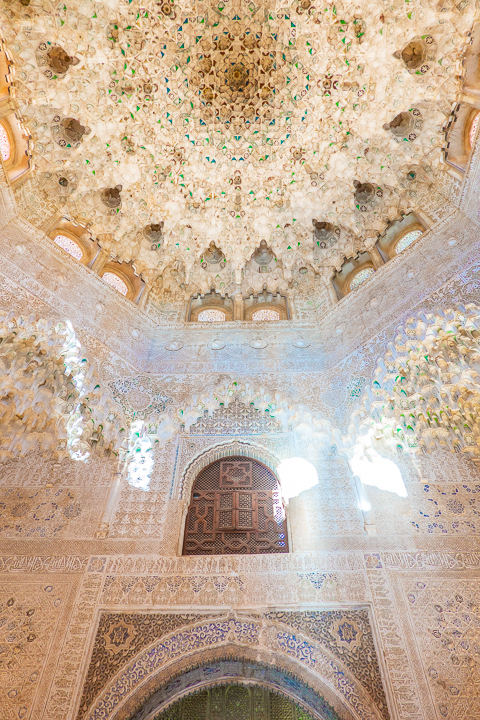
point(144, 663)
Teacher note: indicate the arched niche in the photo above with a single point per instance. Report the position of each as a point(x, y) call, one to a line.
point(88, 248)
point(213, 301)
point(459, 139)
point(459, 142)
point(400, 235)
point(266, 301)
point(249, 678)
point(123, 279)
point(236, 666)
point(353, 273)
point(183, 485)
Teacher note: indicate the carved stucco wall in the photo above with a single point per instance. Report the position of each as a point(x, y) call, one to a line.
point(418, 577)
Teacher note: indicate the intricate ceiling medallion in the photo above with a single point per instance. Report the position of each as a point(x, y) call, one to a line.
point(235, 73)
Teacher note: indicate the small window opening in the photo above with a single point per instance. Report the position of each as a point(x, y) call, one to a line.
point(360, 277)
point(5, 147)
point(473, 130)
point(211, 315)
point(116, 282)
point(265, 314)
point(407, 240)
point(69, 245)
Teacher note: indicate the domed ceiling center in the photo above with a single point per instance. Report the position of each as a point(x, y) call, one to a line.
point(234, 73)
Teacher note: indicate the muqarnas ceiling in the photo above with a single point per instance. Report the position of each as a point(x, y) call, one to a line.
point(235, 122)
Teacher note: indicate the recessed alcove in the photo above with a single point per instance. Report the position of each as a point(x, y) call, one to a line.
point(354, 272)
point(214, 302)
point(76, 240)
point(266, 307)
point(123, 278)
point(400, 235)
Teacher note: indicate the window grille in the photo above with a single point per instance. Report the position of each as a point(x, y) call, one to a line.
point(116, 282)
point(407, 240)
point(265, 314)
point(236, 508)
point(238, 703)
point(473, 129)
point(70, 246)
point(4, 143)
point(211, 315)
point(360, 277)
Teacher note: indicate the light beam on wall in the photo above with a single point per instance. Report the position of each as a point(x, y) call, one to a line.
point(296, 475)
point(375, 470)
point(74, 368)
point(141, 457)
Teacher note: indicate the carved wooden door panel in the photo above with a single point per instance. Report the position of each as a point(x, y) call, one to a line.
point(236, 507)
point(235, 511)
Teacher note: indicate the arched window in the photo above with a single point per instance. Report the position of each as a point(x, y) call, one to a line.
point(265, 314)
point(211, 315)
point(212, 307)
point(407, 240)
point(14, 147)
point(236, 508)
point(116, 282)
point(5, 147)
point(473, 129)
point(360, 277)
point(70, 246)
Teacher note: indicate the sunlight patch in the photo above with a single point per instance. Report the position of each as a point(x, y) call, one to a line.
point(373, 469)
point(296, 475)
point(141, 457)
